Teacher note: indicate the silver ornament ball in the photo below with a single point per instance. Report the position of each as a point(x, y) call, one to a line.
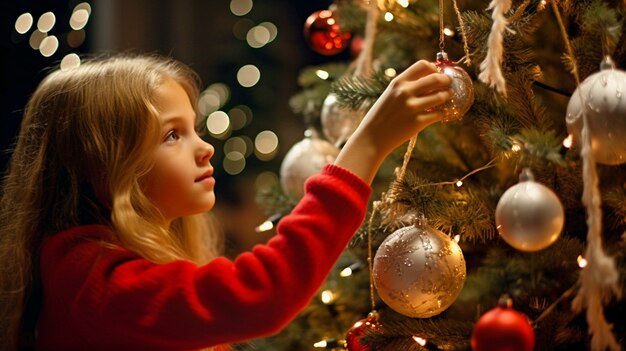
point(305, 158)
point(462, 88)
point(338, 122)
point(605, 109)
point(419, 271)
point(529, 216)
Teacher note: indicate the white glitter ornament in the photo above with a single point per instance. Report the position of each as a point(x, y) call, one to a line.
point(305, 158)
point(338, 122)
point(605, 108)
point(419, 271)
point(529, 216)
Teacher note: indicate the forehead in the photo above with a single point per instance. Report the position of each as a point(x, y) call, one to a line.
point(171, 100)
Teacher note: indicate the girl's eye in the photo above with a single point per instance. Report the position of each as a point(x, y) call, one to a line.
point(171, 136)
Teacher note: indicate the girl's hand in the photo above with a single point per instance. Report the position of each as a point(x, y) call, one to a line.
point(399, 114)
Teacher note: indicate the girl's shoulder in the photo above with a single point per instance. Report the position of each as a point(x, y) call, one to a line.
point(86, 240)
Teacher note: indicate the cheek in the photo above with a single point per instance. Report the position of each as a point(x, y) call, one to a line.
point(163, 183)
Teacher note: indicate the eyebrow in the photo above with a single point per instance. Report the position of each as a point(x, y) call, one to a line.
point(175, 118)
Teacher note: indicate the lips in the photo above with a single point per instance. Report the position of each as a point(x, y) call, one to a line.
point(205, 175)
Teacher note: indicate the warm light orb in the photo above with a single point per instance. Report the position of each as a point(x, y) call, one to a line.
point(23, 23)
point(46, 22)
point(79, 19)
point(218, 123)
point(266, 144)
point(70, 61)
point(248, 76)
point(240, 7)
point(49, 46)
point(234, 163)
point(240, 116)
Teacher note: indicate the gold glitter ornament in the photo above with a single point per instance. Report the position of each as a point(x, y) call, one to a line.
point(419, 271)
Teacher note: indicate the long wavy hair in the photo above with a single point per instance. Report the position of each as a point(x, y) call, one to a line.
point(84, 145)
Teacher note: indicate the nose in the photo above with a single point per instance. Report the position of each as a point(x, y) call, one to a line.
point(204, 151)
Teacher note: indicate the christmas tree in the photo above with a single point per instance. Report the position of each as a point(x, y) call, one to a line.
point(511, 211)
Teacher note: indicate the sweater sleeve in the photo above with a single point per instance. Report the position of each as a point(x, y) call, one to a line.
point(126, 300)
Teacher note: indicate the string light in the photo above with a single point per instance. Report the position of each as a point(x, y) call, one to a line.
point(459, 183)
point(403, 3)
point(388, 16)
point(353, 268)
point(270, 223)
point(582, 262)
point(516, 147)
point(390, 72)
point(329, 344)
point(420, 341)
point(328, 297)
point(322, 74)
point(567, 142)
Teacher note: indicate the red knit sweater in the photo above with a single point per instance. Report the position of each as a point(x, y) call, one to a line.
point(100, 298)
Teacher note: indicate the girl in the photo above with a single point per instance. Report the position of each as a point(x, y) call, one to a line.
point(102, 214)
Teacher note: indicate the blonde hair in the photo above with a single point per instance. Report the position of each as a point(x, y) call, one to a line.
point(79, 159)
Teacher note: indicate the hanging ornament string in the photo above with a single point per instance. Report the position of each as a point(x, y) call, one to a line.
point(490, 68)
point(376, 205)
point(599, 280)
point(364, 60)
point(468, 60)
point(441, 29)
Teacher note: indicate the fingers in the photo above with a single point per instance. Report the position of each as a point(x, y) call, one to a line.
point(428, 84)
point(417, 70)
point(431, 100)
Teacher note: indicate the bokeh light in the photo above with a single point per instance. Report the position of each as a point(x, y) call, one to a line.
point(266, 180)
point(49, 46)
point(241, 28)
point(234, 163)
point(46, 22)
point(218, 124)
point(209, 102)
point(24, 23)
point(248, 76)
point(79, 19)
point(213, 98)
point(266, 145)
point(258, 36)
point(76, 38)
point(403, 3)
point(70, 61)
point(237, 144)
point(35, 39)
point(240, 116)
point(222, 91)
point(271, 28)
point(240, 7)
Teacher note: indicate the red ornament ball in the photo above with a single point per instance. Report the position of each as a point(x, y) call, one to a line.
point(358, 329)
point(503, 329)
point(322, 32)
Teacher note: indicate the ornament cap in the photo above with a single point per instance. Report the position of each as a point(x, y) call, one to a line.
point(505, 301)
point(421, 221)
point(526, 175)
point(442, 55)
point(607, 63)
point(373, 315)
